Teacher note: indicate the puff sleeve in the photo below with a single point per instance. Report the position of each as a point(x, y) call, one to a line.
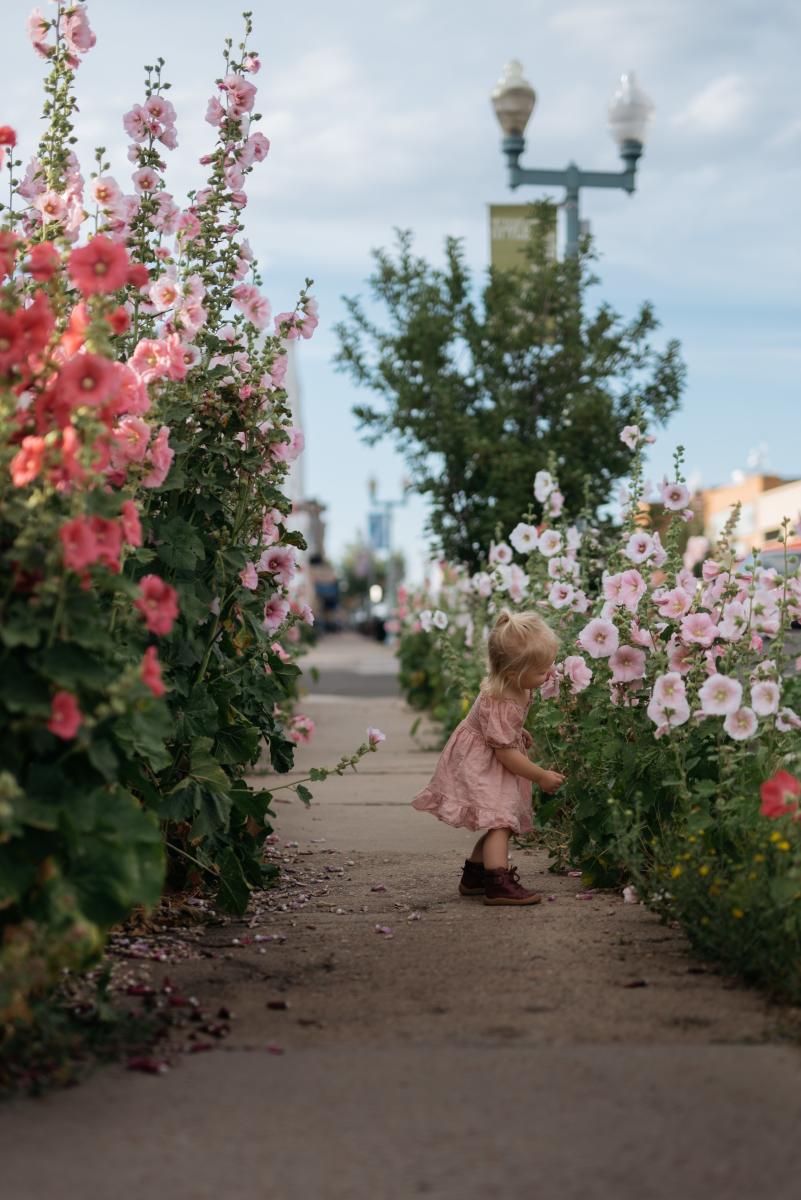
point(501, 723)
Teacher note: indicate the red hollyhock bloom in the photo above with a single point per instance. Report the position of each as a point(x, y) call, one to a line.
point(80, 546)
point(151, 672)
point(43, 261)
point(119, 320)
point(138, 275)
point(37, 323)
point(8, 136)
point(74, 335)
point(100, 266)
point(8, 249)
point(65, 715)
point(27, 462)
point(108, 539)
point(777, 795)
point(158, 604)
point(86, 379)
point(131, 525)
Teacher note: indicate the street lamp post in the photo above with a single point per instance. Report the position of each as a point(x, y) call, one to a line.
point(629, 113)
point(388, 507)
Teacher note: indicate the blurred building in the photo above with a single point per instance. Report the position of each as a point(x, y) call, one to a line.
point(765, 501)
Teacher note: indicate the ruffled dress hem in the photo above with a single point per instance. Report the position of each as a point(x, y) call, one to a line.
point(467, 816)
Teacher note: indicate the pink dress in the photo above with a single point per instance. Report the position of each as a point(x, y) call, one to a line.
point(471, 787)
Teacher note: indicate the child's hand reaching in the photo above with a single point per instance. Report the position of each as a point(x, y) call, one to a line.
point(551, 781)
point(527, 739)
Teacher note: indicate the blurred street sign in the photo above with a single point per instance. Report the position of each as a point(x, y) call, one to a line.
point(510, 227)
point(378, 530)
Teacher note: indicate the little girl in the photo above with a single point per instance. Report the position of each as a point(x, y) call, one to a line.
point(483, 777)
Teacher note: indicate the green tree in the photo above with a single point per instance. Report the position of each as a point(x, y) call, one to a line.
point(479, 395)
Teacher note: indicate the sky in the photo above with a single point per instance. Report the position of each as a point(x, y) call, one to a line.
point(379, 118)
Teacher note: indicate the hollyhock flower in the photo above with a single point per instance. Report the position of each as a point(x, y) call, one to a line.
point(65, 715)
point(99, 267)
point(500, 553)
point(375, 737)
point(632, 589)
point(720, 694)
point(150, 672)
point(765, 696)
point(51, 205)
point(145, 180)
point(699, 629)
point(627, 664)
point(257, 147)
point(697, 547)
point(600, 638)
point(675, 496)
point(426, 618)
point(581, 603)
point(166, 290)
point(741, 725)
point(481, 583)
point(250, 301)
point(78, 544)
point(578, 672)
point(663, 715)
point(131, 439)
point(307, 615)
point(302, 729)
point(561, 594)
point(288, 451)
point(611, 586)
point(214, 112)
point(27, 462)
point(75, 30)
point(130, 523)
point(440, 619)
point(779, 795)
point(280, 562)
point(630, 436)
point(544, 484)
point(249, 576)
point(108, 541)
point(573, 539)
point(86, 379)
point(549, 690)
point(555, 503)
point(158, 604)
point(787, 720)
point(279, 650)
point(43, 261)
point(151, 359)
point(275, 612)
point(639, 547)
point(562, 567)
point(669, 688)
point(162, 109)
point(105, 191)
point(659, 553)
point(240, 93)
point(8, 136)
point(674, 603)
point(161, 456)
point(524, 538)
point(550, 542)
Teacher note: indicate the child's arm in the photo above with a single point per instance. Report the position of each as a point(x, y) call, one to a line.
point(517, 762)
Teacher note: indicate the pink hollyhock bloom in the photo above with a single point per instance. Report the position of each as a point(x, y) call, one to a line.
point(79, 544)
point(38, 29)
point(161, 457)
point(99, 267)
point(581, 603)
point(481, 583)
point(251, 63)
point(675, 496)
point(544, 484)
point(27, 462)
point(162, 109)
point(550, 542)
point(241, 94)
point(278, 649)
point(720, 694)
point(214, 112)
point(151, 359)
point(158, 604)
point(76, 31)
point(166, 290)
point(612, 586)
point(600, 638)
point(630, 436)
point(131, 525)
point(642, 637)
point(549, 690)
point(275, 612)
point(561, 566)
point(639, 547)
point(659, 553)
point(105, 190)
point(86, 379)
point(787, 720)
point(145, 180)
point(674, 603)
point(779, 796)
point(665, 715)
point(669, 689)
point(500, 553)
point(150, 672)
point(710, 570)
point(375, 737)
point(51, 205)
point(524, 538)
point(578, 672)
point(308, 616)
point(302, 729)
point(627, 664)
point(280, 562)
point(697, 547)
point(108, 541)
point(556, 503)
point(250, 301)
point(249, 576)
point(130, 395)
point(632, 589)
point(561, 595)
point(176, 357)
point(65, 715)
point(741, 725)
point(131, 438)
point(699, 629)
point(765, 696)
point(257, 146)
point(288, 451)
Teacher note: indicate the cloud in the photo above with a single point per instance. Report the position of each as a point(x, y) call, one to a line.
point(720, 107)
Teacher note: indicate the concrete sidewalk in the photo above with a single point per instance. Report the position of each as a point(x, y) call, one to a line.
point(459, 1052)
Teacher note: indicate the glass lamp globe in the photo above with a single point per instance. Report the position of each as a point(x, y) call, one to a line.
point(630, 110)
point(513, 100)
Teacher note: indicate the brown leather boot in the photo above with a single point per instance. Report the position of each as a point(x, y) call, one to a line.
point(504, 887)
point(473, 879)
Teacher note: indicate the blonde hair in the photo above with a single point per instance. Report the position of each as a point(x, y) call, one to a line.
point(518, 642)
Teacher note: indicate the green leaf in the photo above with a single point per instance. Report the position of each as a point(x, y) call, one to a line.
point(233, 893)
point(212, 817)
point(237, 744)
point(304, 793)
point(179, 545)
point(204, 767)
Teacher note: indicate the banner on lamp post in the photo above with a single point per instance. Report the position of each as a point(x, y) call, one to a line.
point(510, 230)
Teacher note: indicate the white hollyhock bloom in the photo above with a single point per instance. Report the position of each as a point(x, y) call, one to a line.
point(550, 542)
point(544, 484)
point(440, 619)
point(524, 538)
point(425, 618)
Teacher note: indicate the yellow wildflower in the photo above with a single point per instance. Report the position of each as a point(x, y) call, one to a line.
point(676, 871)
point(759, 858)
point(775, 836)
point(784, 845)
point(704, 870)
point(737, 913)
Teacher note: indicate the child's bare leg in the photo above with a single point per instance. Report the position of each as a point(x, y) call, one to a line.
point(477, 855)
point(496, 849)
